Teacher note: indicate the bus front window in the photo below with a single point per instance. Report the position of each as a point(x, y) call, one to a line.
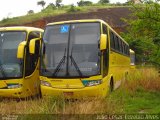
point(71, 50)
point(10, 66)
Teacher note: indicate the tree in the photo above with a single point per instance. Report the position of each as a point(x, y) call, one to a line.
point(84, 3)
point(74, 8)
point(103, 1)
point(30, 12)
point(58, 3)
point(52, 6)
point(143, 32)
point(41, 3)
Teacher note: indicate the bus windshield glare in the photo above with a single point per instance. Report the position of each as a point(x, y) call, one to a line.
point(71, 50)
point(10, 66)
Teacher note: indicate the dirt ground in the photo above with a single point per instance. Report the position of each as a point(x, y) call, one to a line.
point(112, 16)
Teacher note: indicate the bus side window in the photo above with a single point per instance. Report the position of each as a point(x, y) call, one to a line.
point(32, 59)
point(116, 43)
point(112, 44)
point(120, 45)
point(128, 53)
point(123, 45)
point(105, 53)
point(125, 49)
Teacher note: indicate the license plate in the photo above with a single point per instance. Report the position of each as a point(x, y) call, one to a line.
point(68, 93)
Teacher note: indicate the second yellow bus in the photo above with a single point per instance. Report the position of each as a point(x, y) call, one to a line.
point(19, 70)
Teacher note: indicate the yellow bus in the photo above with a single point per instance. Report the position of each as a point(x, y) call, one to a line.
point(132, 57)
point(82, 58)
point(19, 74)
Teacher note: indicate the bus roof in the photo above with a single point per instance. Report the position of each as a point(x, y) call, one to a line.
point(75, 21)
point(20, 28)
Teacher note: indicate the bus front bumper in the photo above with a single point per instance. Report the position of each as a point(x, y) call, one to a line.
point(93, 91)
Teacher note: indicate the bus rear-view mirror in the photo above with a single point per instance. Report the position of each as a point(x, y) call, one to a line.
point(32, 45)
point(103, 42)
point(20, 50)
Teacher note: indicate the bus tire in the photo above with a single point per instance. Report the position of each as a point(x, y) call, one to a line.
point(40, 93)
point(111, 85)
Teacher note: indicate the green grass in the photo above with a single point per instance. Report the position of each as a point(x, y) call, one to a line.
point(141, 101)
point(141, 93)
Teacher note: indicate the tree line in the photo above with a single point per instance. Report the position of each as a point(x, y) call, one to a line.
point(58, 3)
point(143, 33)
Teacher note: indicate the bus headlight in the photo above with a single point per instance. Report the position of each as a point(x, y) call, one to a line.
point(45, 83)
point(89, 83)
point(14, 86)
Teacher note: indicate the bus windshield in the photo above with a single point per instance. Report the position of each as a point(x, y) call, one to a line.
point(71, 50)
point(10, 66)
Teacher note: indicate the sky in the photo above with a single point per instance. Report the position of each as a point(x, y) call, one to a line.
point(13, 8)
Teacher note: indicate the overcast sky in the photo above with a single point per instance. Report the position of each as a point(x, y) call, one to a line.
point(12, 8)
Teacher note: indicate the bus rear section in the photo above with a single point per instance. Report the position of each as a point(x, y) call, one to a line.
point(132, 57)
point(19, 74)
point(75, 59)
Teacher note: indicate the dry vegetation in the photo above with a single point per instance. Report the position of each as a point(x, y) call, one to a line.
point(140, 84)
point(147, 79)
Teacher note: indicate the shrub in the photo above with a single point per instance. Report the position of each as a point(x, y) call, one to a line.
point(74, 9)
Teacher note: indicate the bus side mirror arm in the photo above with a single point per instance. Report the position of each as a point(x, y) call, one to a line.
point(20, 50)
point(32, 45)
point(103, 42)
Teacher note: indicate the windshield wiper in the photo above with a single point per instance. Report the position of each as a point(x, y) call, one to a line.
point(2, 70)
point(60, 64)
point(75, 64)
